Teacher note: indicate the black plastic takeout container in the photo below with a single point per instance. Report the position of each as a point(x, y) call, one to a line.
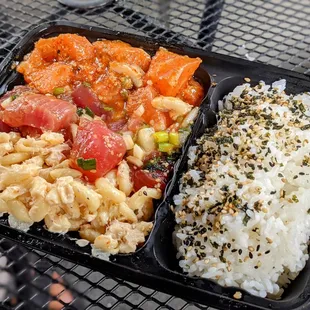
point(155, 264)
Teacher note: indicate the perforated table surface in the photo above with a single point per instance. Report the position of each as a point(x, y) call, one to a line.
point(275, 32)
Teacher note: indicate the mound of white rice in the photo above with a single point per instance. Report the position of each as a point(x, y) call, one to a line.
point(243, 209)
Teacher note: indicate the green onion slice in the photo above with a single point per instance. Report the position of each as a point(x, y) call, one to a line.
point(89, 112)
point(58, 91)
point(86, 84)
point(79, 111)
point(161, 136)
point(165, 147)
point(87, 164)
point(174, 138)
point(108, 108)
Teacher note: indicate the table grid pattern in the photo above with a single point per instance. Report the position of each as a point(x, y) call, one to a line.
point(275, 32)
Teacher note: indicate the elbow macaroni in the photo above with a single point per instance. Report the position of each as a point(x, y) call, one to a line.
point(37, 183)
point(175, 106)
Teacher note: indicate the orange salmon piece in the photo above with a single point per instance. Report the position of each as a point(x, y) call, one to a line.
point(54, 75)
point(192, 93)
point(47, 49)
point(169, 72)
point(123, 52)
point(86, 71)
point(108, 90)
point(157, 119)
point(32, 62)
point(74, 47)
point(140, 96)
point(144, 96)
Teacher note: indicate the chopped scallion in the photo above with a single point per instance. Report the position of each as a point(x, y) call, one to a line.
point(86, 84)
point(185, 129)
point(58, 91)
point(108, 109)
point(174, 138)
point(79, 111)
point(165, 147)
point(87, 164)
point(89, 112)
point(124, 93)
point(161, 136)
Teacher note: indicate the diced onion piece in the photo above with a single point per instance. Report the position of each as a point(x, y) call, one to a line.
point(140, 111)
point(138, 152)
point(128, 141)
point(190, 117)
point(129, 133)
point(146, 140)
point(133, 71)
point(161, 136)
point(86, 116)
point(135, 161)
point(74, 129)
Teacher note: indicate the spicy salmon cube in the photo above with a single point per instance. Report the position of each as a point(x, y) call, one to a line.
point(123, 52)
point(170, 72)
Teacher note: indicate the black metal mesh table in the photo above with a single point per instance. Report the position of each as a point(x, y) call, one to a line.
point(276, 32)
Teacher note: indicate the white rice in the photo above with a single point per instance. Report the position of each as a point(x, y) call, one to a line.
point(243, 209)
